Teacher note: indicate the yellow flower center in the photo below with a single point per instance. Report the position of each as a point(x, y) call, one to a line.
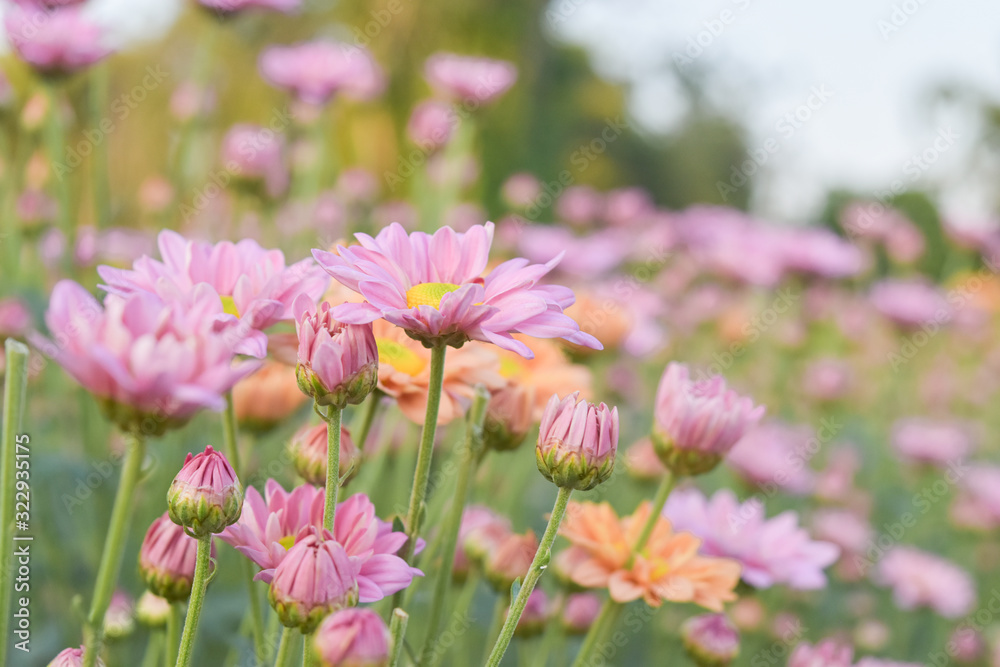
point(287, 541)
point(658, 568)
point(400, 357)
point(428, 294)
point(510, 368)
point(229, 306)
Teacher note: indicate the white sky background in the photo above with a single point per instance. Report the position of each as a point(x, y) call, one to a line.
point(766, 60)
point(763, 65)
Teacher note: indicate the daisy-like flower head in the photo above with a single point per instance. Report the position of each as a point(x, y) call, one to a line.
point(272, 524)
point(255, 288)
point(668, 568)
point(772, 551)
point(432, 287)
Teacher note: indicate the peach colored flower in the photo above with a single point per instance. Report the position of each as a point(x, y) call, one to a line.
point(268, 396)
point(550, 372)
point(404, 373)
point(668, 568)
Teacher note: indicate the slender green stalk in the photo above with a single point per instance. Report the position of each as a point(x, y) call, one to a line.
point(173, 634)
point(286, 649)
point(55, 146)
point(114, 549)
point(202, 565)
point(14, 391)
point(367, 419)
point(397, 630)
point(554, 633)
point(496, 625)
point(333, 417)
point(468, 456)
point(97, 97)
point(609, 614)
point(229, 441)
point(154, 649)
point(426, 451)
point(539, 563)
point(308, 655)
point(666, 486)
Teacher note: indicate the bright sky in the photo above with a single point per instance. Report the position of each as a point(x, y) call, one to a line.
point(878, 58)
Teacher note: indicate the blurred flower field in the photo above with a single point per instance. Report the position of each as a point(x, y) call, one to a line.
point(336, 340)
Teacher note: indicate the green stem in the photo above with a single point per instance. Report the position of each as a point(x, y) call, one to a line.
point(286, 648)
point(154, 649)
point(256, 617)
point(553, 633)
point(14, 392)
point(609, 612)
point(468, 456)
point(397, 630)
point(55, 145)
point(114, 548)
point(173, 634)
point(666, 486)
point(308, 655)
point(496, 624)
point(367, 419)
point(426, 451)
point(97, 97)
point(333, 417)
point(538, 564)
point(229, 441)
point(202, 567)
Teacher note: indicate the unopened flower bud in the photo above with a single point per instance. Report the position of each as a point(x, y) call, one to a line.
point(167, 559)
point(152, 610)
point(577, 442)
point(309, 447)
point(509, 417)
point(205, 496)
point(353, 638)
point(511, 560)
point(710, 640)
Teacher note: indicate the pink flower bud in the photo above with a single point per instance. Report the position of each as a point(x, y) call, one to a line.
point(152, 610)
point(316, 577)
point(205, 496)
point(534, 616)
point(511, 560)
point(577, 442)
point(580, 612)
point(71, 657)
point(469, 79)
point(337, 363)
point(167, 559)
point(827, 653)
point(696, 423)
point(710, 640)
point(353, 638)
point(509, 417)
point(431, 124)
point(309, 448)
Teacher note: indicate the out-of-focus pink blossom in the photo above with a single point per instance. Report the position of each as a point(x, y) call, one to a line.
point(233, 6)
point(521, 190)
point(469, 79)
point(627, 206)
point(60, 41)
point(15, 318)
point(775, 454)
point(317, 71)
point(847, 530)
point(827, 653)
point(910, 303)
point(932, 441)
point(256, 153)
point(977, 505)
point(827, 379)
point(579, 205)
point(922, 579)
point(431, 124)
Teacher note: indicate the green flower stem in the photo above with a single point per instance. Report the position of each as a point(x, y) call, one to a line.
point(538, 564)
point(367, 419)
point(202, 567)
point(426, 451)
point(553, 634)
point(55, 146)
point(286, 649)
point(333, 417)
point(666, 486)
point(173, 634)
point(14, 391)
point(468, 456)
point(230, 446)
point(308, 655)
point(154, 649)
point(397, 630)
point(496, 624)
point(114, 548)
point(97, 97)
point(606, 619)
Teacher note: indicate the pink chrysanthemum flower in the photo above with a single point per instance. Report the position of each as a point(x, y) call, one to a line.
point(317, 71)
point(432, 286)
point(352, 638)
point(922, 579)
point(150, 364)
point(270, 525)
point(60, 41)
point(827, 653)
point(469, 79)
point(71, 657)
point(771, 551)
point(254, 287)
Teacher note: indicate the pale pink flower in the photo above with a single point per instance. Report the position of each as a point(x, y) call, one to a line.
point(15, 318)
point(71, 657)
point(836, 481)
point(711, 639)
point(432, 286)
point(521, 190)
point(697, 422)
point(580, 611)
point(469, 79)
point(627, 206)
point(978, 503)
point(852, 533)
point(317, 71)
point(910, 303)
point(480, 534)
point(775, 455)
point(270, 525)
point(579, 205)
point(54, 42)
point(167, 559)
point(352, 638)
point(256, 153)
point(827, 379)
point(150, 364)
point(924, 440)
point(922, 579)
point(254, 288)
point(771, 551)
point(827, 653)
point(431, 124)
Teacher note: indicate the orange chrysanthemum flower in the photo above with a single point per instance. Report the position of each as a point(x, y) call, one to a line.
point(668, 568)
point(550, 372)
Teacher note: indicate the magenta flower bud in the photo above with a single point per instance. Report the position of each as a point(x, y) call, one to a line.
point(119, 619)
point(580, 612)
point(205, 496)
point(534, 616)
point(696, 423)
point(315, 578)
point(308, 449)
point(577, 442)
point(353, 638)
point(167, 559)
point(71, 657)
point(338, 363)
point(710, 640)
